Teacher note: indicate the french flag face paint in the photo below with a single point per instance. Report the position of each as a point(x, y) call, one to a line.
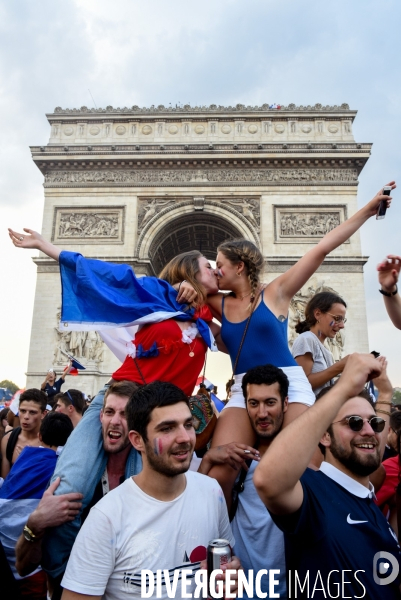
point(220, 273)
point(157, 446)
point(332, 323)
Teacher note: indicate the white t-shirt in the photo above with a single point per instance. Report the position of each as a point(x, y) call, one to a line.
point(128, 531)
point(322, 358)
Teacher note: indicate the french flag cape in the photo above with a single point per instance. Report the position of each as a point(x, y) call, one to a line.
point(102, 296)
point(20, 494)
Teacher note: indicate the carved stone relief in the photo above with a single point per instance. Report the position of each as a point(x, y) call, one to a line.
point(297, 313)
point(294, 224)
point(193, 176)
point(148, 208)
point(248, 207)
point(87, 346)
point(87, 225)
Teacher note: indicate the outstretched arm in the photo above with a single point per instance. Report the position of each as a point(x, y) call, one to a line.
point(277, 483)
point(288, 284)
point(33, 240)
point(389, 271)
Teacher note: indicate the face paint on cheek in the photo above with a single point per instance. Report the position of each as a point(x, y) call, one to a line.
point(158, 446)
point(332, 323)
point(220, 273)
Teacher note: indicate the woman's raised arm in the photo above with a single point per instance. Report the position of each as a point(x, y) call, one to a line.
point(289, 283)
point(34, 241)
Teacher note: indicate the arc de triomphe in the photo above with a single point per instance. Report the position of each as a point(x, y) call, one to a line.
point(140, 185)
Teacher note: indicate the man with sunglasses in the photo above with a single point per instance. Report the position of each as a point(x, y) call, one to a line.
point(334, 532)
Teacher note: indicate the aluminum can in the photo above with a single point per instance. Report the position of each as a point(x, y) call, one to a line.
point(218, 554)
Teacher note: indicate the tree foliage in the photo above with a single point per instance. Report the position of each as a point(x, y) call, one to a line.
point(6, 383)
point(396, 396)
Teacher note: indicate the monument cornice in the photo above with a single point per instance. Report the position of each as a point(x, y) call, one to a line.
point(331, 264)
point(186, 110)
point(273, 264)
point(48, 265)
point(206, 149)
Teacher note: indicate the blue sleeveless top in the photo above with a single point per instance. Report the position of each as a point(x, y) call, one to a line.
point(265, 341)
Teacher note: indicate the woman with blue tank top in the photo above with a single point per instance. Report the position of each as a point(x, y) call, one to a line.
point(239, 264)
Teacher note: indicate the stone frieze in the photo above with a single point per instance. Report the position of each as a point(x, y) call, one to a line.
point(201, 176)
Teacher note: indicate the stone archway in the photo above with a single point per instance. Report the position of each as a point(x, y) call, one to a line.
point(188, 224)
point(194, 231)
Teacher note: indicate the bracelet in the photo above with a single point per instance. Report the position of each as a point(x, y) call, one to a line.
point(384, 402)
point(389, 294)
point(385, 412)
point(183, 281)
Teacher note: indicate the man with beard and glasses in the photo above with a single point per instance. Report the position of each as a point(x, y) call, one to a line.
point(161, 519)
point(121, 461)
point(338, 543)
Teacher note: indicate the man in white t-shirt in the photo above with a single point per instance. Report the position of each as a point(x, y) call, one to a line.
point(162, 518)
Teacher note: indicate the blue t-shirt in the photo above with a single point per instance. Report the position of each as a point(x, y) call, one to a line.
point(52, 390)
point(335, 537)
point(259, 543)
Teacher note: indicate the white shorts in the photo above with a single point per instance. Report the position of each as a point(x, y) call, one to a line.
point(299, 390)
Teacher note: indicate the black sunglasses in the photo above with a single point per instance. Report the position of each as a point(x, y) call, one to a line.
point(356, 423)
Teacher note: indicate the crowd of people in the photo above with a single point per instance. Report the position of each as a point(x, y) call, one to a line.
point(299, 472)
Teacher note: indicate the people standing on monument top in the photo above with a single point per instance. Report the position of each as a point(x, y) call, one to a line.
point(324, 318)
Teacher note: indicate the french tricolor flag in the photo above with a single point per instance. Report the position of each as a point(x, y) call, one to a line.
point(20, 494)
point(102, 296)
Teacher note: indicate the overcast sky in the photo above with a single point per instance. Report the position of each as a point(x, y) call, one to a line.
point(156, 52)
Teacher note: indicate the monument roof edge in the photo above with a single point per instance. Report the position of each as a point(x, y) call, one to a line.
point(187, 110)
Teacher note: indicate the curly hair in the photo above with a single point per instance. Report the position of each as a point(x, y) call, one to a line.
point(242, 250)
point(185, 266)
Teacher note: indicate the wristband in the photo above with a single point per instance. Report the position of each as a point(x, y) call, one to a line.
point(385, 412)
point(389, 294)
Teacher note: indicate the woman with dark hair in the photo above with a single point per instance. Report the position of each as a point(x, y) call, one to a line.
point(324, 318)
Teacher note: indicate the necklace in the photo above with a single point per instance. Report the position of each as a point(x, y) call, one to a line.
point(244, 296)
point(191, 349)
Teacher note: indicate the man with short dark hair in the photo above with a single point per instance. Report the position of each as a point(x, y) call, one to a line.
point(338, 543)
point(162, 518)
point(32, 409)
point(48, 521)
point(22, 491)
point(72, 404)
point(259, 544)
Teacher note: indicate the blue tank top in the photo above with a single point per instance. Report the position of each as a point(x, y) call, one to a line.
point(265, 341)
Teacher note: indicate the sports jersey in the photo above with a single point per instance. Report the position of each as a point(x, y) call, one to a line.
point(335, 537)
point(164, 356)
